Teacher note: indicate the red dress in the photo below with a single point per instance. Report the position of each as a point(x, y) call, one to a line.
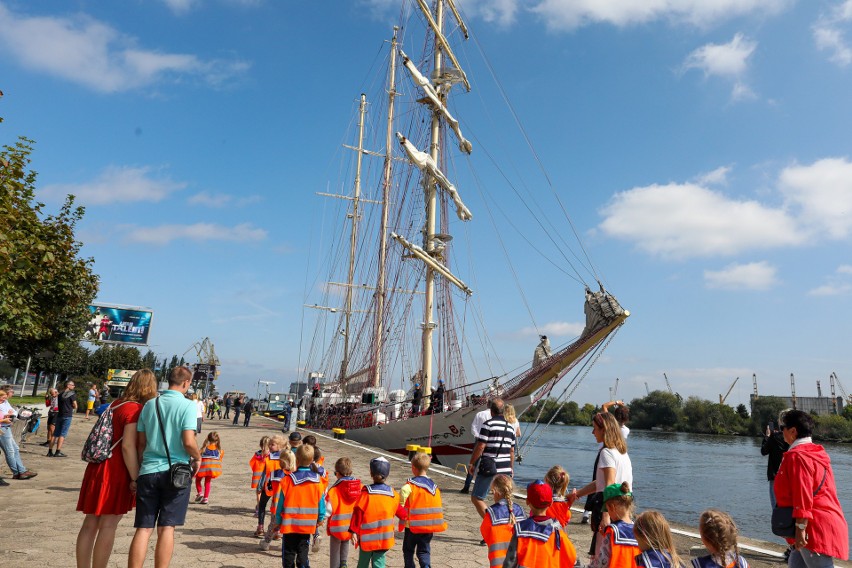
point(105, 489)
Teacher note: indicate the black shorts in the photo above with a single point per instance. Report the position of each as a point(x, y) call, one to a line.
point(52, 418)
point(158, 503)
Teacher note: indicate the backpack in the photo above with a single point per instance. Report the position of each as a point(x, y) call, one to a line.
point(98, 446)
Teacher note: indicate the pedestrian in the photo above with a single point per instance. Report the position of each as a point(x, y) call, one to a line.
point(51, 401)
point(299, 504)
point(438, 397)
point(499, 522)
point(248, 408)
point(211, 466)
point(618, 547)
point(416, 400)
point(372, 524)
point(228, 402)
point(257, 464)
point(481, 418)
point(621, 412)
point(238, 405)
point(774, 446)
point(166, 431)
point(7, 441)
point(67, 406)
point(719, 536)
point(495, 451)
point(339, 504)
point(199, 411)
point(104, 394)
point(105, 492)
point(539, 540)
point(560, 510)
point(90, 401)
point(269, 477)
point(654, 538)
point(286, 411)
point(421, 499)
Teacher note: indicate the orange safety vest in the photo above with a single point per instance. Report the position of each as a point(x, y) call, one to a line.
point(544, 545)
point(341, 511)
point(257, 463)
point(560, 511)
point(425, 511)
point(623, 544)
point(302, 493)
point(378, 504)
point(211, 462)
point(496, 530)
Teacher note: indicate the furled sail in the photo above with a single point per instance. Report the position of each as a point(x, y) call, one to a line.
point(464, 144)
point(425, 163)
point(431, 262)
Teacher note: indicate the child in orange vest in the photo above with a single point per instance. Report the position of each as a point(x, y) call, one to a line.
point(719, 536)
point(299, 505)
point(421, 499)
point(538, 540)
point(257, 464)
point(619, 548)
point(655, 541)
point(270, 477)
point(339, 504)
point(498, 524)
point(373, 517)
point(211, 466)
point(560, 509)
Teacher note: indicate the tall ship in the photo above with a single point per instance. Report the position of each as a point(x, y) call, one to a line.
point(393, 308)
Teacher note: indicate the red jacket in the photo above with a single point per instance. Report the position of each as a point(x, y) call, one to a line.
point(801, 472)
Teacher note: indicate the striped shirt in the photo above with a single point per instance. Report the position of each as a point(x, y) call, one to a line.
point(499, 438)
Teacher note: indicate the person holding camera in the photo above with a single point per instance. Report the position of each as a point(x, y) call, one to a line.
point(166, 431)
point(773, 446)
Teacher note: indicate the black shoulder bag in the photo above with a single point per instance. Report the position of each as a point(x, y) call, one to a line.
point(783, 523)
point(487, 464)
point(180, 473)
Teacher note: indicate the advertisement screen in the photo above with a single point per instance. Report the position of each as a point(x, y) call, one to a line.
point(117, 324)
point(119, 377)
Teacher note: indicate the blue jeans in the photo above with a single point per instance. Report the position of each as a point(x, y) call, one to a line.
point(11, 451)
point(804, 558)
point(772, 492)
point(419, 542)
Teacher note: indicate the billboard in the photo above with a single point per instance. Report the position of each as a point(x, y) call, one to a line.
point(203, 376)
point(119, 324)
point(119, 377)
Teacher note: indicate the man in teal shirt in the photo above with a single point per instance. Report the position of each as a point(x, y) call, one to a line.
point(157, 502)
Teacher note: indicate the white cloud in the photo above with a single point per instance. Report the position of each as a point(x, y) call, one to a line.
point(164, 234)
point(85, 51)
point(572, 14)
point(116, 184)
point(719, 176)
point(751, 276)
point(687, 220)
point(726, 60)
point(822, 194)
point(554, 329)
point(830, 36)
point(838, 283)
point(219, 200)
point(180, 6)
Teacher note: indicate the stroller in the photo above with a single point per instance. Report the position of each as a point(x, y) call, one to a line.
point(32, 418)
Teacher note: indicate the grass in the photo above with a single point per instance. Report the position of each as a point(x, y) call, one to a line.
point(32, 400)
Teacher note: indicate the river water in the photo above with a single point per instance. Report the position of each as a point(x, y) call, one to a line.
point(681, 474)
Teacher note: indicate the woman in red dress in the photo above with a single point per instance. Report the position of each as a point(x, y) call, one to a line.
point(108, 490)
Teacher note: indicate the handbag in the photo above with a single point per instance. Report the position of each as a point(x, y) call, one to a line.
point(180, 473)
point(487, 464)
point(783, 523)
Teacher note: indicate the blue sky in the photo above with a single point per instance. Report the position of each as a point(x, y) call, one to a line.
point(702, 147)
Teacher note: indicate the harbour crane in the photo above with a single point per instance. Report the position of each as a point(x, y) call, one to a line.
point(668, 384)
point(846, 397)
point(754, 382)
point(206, 354)
point(647, 390)
point(613, 391)
point(722, 399)
point(793, 390)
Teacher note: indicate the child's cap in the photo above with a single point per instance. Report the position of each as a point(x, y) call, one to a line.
point(539, 495)
point(295, 437)
point(380, 466)
point(613, 491)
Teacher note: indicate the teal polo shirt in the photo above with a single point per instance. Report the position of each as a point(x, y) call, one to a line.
point(178, 415)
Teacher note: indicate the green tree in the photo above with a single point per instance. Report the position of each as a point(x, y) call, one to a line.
point(658, 408)
point(45, 285)
point(113, 357)
point(765, 409)
point(847, 412)
point(742, 411)
point(832, 428)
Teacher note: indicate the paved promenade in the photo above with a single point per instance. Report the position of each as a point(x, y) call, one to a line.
point(40, 521)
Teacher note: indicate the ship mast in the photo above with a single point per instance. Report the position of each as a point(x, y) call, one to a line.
point(378, 330)
point(431, 215)
point(353, 238)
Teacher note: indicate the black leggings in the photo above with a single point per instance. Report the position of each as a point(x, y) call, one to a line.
point(261, 507)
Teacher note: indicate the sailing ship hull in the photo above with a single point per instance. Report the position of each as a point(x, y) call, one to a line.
point(451, 438)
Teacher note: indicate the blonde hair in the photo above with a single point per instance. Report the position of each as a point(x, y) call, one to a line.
point(653, 527)
point(503, 488)
point(558, 480)
point(421, 461)
point(264, 443)
point(612, 437)
point(213, 438)
point(142, 387)
point(719, 530)
point(509, 413)
point(304, 455)
point(287, 459)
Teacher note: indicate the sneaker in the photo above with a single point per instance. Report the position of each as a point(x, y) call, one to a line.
point(259, 532)
point(25, 475)
point(3, 482)
point(58, 454)
point(264, 544)
point(482, 542)
point(585, 519)
point(317, 541)
point(198, 498)
point(205, 501)
point(50, 453)
point(465, 490)
point(45, 444)
point(787, 553)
